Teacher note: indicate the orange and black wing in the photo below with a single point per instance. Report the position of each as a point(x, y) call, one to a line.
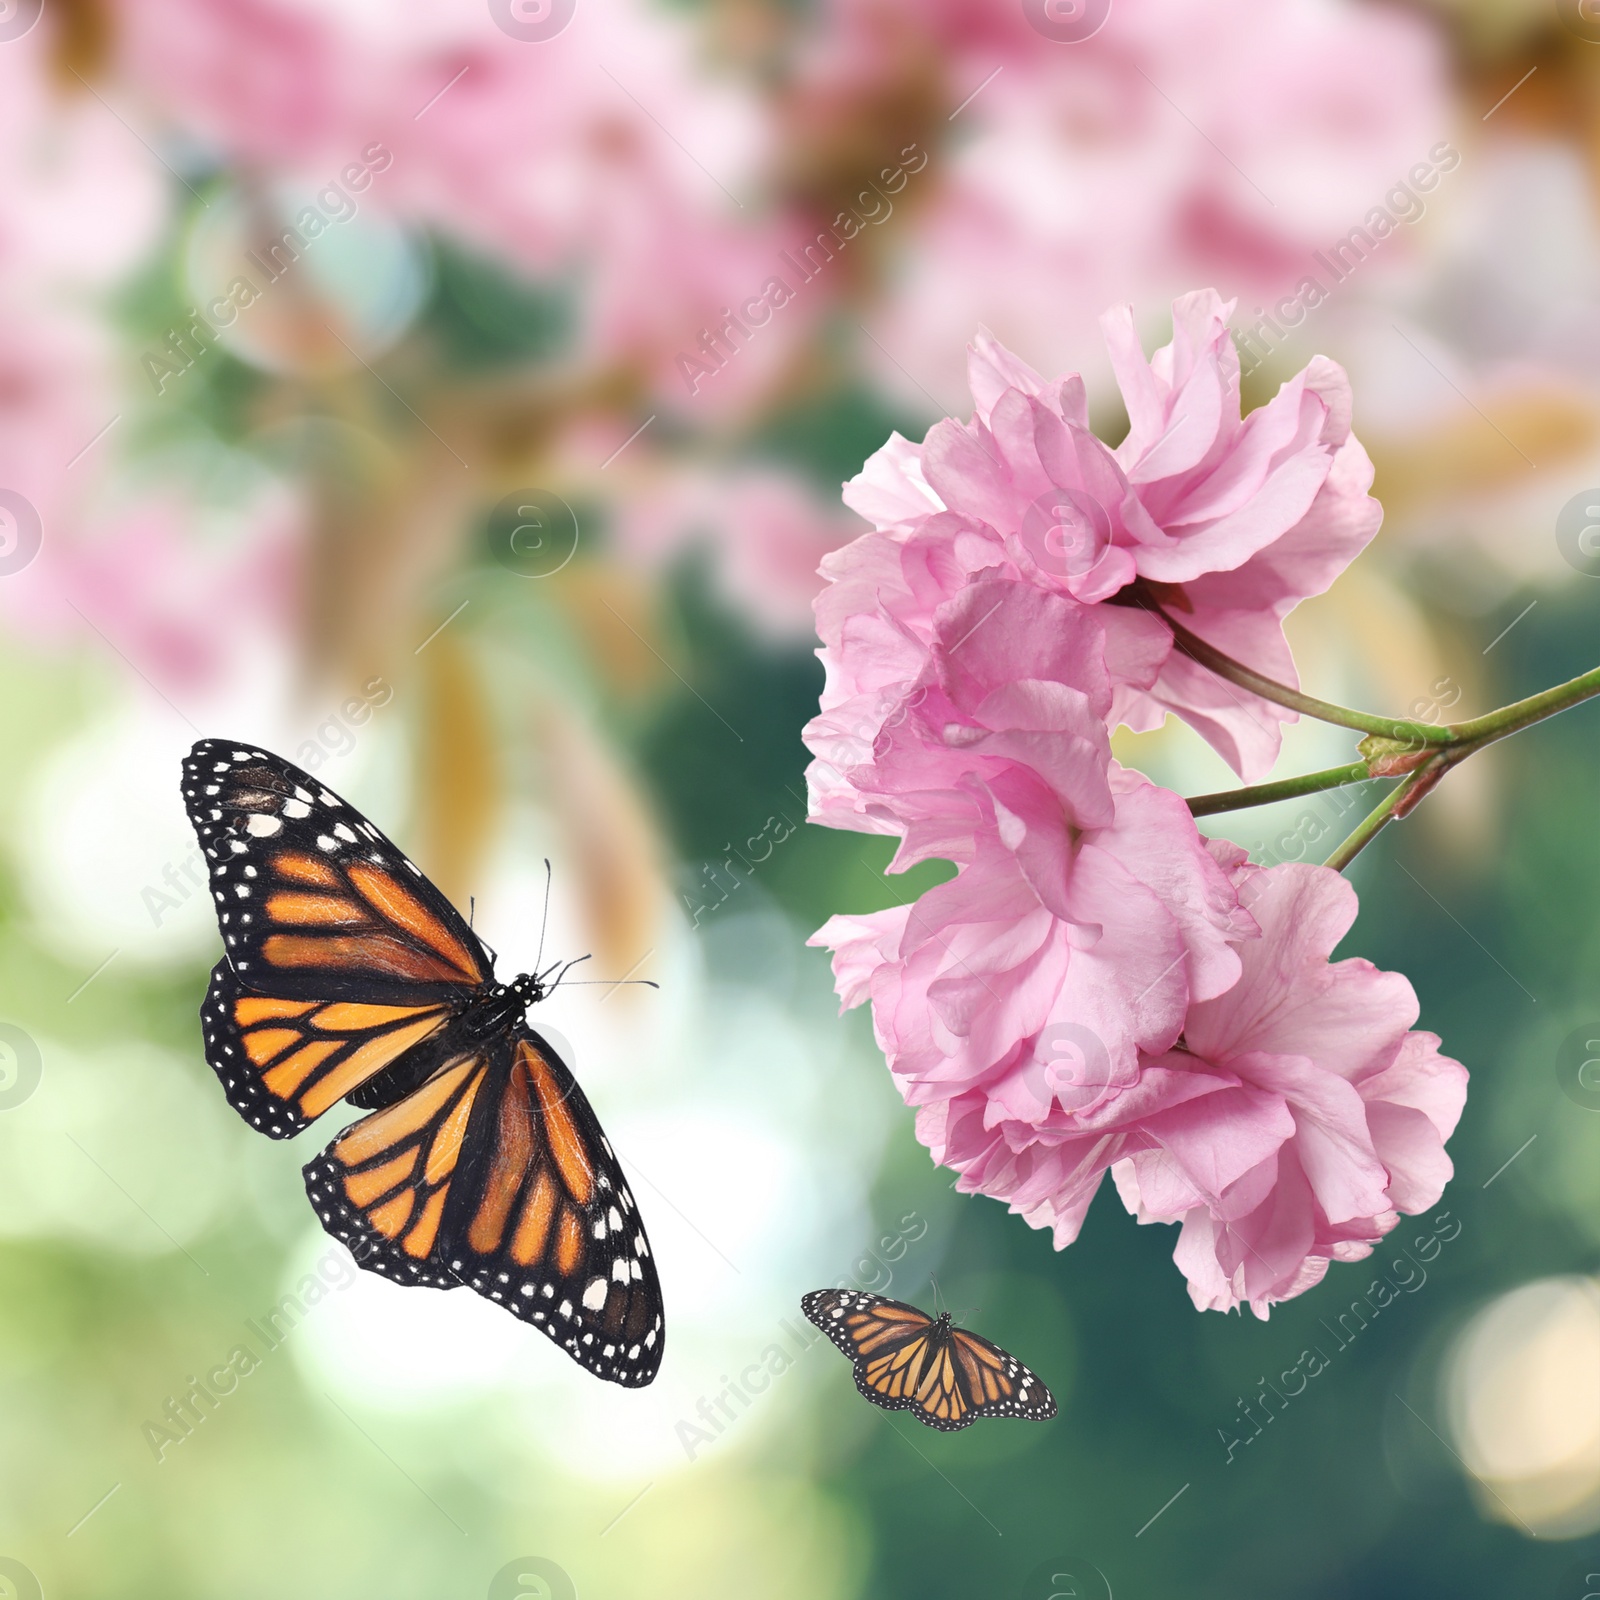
point(892, 1346)
point(313, 902)
point(993, 1383)
point(905, 1361)
point(284, 1060)
point(495, 1175)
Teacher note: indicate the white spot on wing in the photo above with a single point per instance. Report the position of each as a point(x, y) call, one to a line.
point(263, 826)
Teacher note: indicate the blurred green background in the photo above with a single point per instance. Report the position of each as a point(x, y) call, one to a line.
point(299, 537)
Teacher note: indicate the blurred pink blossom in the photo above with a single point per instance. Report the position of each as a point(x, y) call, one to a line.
point(195, 597)
point(607, 150)
point(57, 393)
point(767, 530)
point(81, 203)
point(81, 199)
point(1180, 144)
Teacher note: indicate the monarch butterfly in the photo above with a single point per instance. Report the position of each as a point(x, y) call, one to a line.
point(346, 975)
point(905, 1360)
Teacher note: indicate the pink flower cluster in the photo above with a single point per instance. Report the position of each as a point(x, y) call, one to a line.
point(1099, 986)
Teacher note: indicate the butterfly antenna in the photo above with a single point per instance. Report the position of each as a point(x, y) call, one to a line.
point(565, 970)
point(472, 920)
point(601, 983)
point(565, 966)
point(544, 921)
point(935, 1282)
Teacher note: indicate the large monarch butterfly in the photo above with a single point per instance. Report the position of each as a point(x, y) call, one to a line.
point(346, 975)
point(905, 1360)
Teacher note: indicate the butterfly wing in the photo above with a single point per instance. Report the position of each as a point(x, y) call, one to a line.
point(382, 1186)
point(313, 902)
point(862, 1324)
point(283, 1060)
point(340, 957)
point(905, 1361)
point(495, 1175)
point(894, 1348)
point(994, 1383)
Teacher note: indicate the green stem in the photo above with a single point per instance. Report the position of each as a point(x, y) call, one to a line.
point(1372, 824)
point(1479, 731)
point(1263, 794)
point(1414, 733)
point(1466, 738)
point(1436, 748)
point(1524, 713)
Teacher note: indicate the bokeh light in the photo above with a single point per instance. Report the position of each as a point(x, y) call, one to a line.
point(1524, 1397)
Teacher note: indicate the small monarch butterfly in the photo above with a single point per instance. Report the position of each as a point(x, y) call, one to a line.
point(346, 975)
point(905, 1360)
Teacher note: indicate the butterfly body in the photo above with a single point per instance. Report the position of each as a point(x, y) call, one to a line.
point(905, 1360)
point(503, 1006)
point(348, 976)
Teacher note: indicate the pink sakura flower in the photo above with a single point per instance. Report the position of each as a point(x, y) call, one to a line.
point(1252, 516)
point(1086, 894)
point(1291, 1124)
point(1224, 524)
point(1325, 1051)
point(1098, 987)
